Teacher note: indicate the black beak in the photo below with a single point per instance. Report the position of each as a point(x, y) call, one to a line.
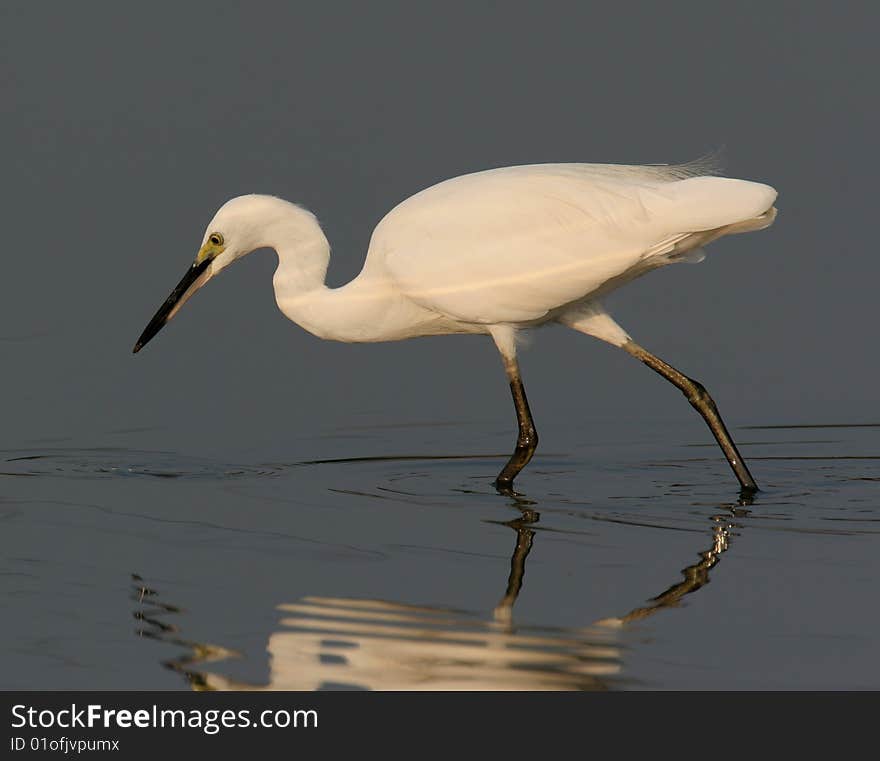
point(195, 277)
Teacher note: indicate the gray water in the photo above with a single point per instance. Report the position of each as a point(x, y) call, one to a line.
point(629, 562)
point(206, 513)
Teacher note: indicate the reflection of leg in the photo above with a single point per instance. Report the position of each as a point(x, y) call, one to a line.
point(695, 576)
point(524, 536)
point(527, 439)
point(699, 398)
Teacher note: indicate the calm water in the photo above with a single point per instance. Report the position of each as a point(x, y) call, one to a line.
point(362, 560)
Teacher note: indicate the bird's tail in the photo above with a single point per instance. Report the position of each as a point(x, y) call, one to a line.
point(700, 204)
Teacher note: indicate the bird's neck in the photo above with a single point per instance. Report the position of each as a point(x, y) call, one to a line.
point(358, 311)
point(369, 308)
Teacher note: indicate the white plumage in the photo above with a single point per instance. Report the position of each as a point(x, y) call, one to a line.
point(521, 244)
point(490, 252)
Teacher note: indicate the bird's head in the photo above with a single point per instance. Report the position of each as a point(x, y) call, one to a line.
point(240, 226)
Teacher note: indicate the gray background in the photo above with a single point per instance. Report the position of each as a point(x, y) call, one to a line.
point(123, 130)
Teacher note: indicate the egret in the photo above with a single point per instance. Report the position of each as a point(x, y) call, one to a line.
point(493, 253)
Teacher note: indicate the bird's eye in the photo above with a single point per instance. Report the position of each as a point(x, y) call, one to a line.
point(216, 239)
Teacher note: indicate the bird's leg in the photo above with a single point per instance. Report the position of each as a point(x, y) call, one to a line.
point(699, 398)
point(527, 440)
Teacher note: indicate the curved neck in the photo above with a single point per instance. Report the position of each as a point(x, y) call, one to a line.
point(368, 308)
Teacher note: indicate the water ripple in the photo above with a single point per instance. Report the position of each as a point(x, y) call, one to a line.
point(113, 462)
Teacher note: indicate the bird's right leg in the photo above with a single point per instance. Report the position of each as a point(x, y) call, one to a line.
point(593, 320)
point(527, 438)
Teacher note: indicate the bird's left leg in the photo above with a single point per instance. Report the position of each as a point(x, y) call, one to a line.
point(700, 400)
point(527, 439)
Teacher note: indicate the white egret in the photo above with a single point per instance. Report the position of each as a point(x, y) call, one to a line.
point(493, 253)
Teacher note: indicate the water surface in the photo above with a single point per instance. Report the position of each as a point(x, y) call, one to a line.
point(380, 557)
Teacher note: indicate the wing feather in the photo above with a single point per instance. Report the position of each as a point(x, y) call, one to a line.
point(511, 245)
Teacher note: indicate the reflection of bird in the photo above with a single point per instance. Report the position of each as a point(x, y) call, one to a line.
point(374, 644)
point(493, 253)
point(378, 645)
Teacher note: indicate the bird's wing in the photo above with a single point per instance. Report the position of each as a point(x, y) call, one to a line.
point(511, 245)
